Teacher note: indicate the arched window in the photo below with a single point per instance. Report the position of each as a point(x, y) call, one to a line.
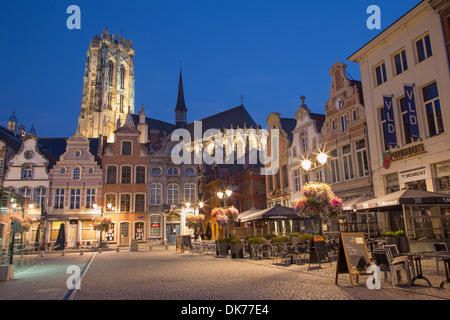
point(122, 77)
point(189, 192)
point(25, 192)
point(76, 175)
point(304, 141)
point(172, 171)
point(110, 73)
point(172, 194)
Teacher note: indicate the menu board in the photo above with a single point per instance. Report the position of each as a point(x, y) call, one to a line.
point(318, 252)
point(353, 257)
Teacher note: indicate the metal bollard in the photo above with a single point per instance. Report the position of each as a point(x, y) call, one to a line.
point(150, 247)
point(99, 250)
point(81, 252)
point(117, 249)
point(42, 254)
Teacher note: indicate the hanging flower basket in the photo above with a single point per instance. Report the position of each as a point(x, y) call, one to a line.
point(25, 223)
point(225, 217)
point(318, 200)
point(101, 224)
point(194, 221)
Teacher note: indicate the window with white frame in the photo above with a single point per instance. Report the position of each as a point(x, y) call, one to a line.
point(139, 202)
point(344, 123)
point(125, 202)
point(90, 197)
point(110, 200)
point(189, 192)
point(140, 174)
point(126, 148)
point(126, 174)
point(40, 194)
point(423, 46)
point(59, 199)
point(155, 193)
point(400, 62)
point(25, 192)
point(361, 157)
point(334, 164)
point(433, 109)
point(27, 171)
point(347, 162)
point(155, 221)
point(75, 197)
point(111, 174)
point(304, 141)
point(297, 180)
point(172, 194)
point(380, 74)
point(76, 174)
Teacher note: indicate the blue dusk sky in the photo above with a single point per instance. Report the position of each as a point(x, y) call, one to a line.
point(271, 52)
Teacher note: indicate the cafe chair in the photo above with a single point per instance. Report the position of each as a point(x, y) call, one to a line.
point(387, 263)
point(439, 247)
point(263, 251)
point(394, 251)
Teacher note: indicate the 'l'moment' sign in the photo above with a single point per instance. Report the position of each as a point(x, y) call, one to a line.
point(389, 125)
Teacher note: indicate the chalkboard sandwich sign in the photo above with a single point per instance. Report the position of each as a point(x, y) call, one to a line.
point(318, 252)
point(353, 257)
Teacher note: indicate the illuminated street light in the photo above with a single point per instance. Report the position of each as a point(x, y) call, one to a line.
point(322, 158)
point(306, 164)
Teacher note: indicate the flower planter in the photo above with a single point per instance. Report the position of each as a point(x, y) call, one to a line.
point(237, 251)
point(222, 249)
point(403, 244)
point(392, 240)
point(296, 239)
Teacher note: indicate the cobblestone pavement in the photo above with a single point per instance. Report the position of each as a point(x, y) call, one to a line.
point(168, 275)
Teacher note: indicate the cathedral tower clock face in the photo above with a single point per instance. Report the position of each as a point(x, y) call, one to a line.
point(339, 104)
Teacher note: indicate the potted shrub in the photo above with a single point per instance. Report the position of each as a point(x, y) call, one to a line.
point(403, 242)
point(295, 237)
point(306, 237)
point(255, 240)
point(237, 248)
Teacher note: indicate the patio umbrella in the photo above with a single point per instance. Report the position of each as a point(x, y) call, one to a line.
point(201, 230)
point(61, 239)
point(36, 241)
point(208, 233)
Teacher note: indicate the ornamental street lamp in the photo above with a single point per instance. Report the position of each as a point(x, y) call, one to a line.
point(227, 195)
point(307, 164)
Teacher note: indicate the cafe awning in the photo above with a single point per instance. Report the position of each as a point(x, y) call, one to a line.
point(247, 213)
point(405, 197)
point(350, 205)
point(275, 212)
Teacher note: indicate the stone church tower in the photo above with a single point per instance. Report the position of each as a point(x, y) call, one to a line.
point(108, 88)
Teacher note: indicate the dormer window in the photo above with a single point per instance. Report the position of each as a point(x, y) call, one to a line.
point(27, 171)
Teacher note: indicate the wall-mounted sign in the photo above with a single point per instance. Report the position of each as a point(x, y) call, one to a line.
point(413, 175)
point(411, 112)
point(407, 152)
point(389, 124)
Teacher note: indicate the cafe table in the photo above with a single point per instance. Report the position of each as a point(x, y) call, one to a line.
point(417, 257)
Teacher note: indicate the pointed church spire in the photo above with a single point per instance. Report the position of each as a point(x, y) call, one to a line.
point(180, 108)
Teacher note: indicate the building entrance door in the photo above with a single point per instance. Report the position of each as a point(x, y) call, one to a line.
point(72, 236)
point(124, 234)
point(172, 231)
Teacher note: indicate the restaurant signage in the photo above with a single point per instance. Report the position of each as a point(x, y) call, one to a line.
point(413, 175)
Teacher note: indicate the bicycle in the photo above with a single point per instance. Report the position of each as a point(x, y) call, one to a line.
point(156, 242)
